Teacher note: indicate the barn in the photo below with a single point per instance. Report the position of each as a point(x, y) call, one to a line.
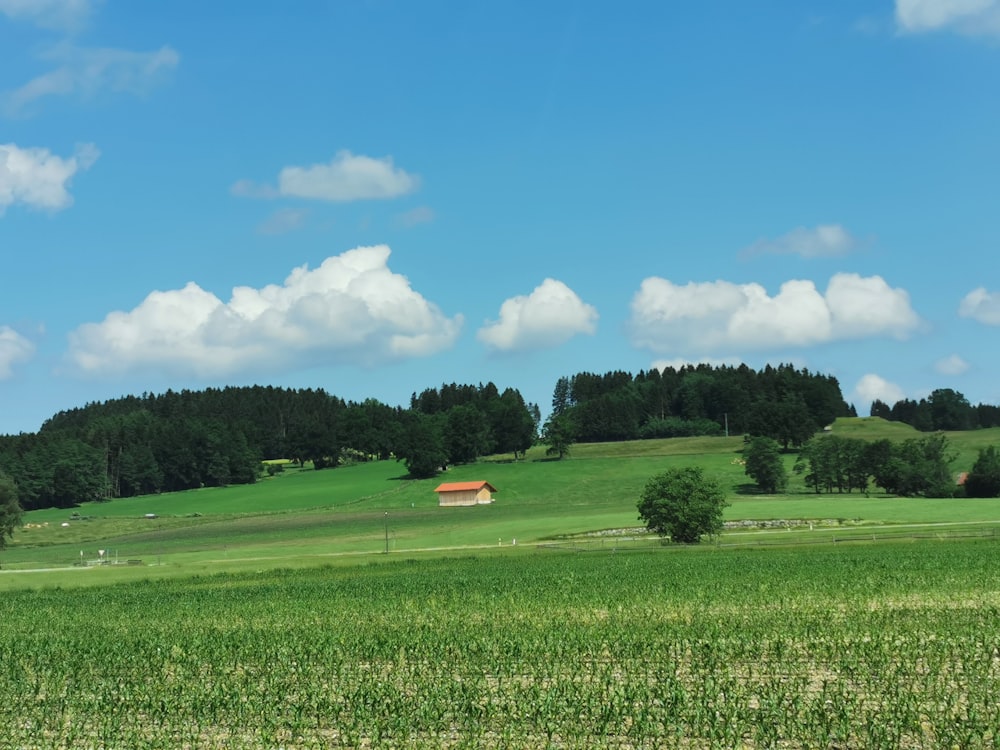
point(465, 493)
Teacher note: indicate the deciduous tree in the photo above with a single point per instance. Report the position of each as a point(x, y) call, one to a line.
point(422, 449)
point(682, 504)
point(984, 479)
point(559, 434)
point(763, 464)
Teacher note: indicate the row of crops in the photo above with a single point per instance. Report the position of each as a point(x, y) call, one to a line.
point(869, 646)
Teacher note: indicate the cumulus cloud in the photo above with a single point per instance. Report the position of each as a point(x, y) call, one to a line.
point(61, 15)
point(15, 349)
point(85, 72)
point(867, 306)
point(710, 316)
point(347, 177)
point(826, 240)
point(872, 387)
point(982, 306)
point(952, 365)
point(352, 309)
point(974, 17)
point(551, 315)
point(37, 178)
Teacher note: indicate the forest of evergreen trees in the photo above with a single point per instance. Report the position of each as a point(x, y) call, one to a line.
point(183, 440)
point(944, 409)
point(188, 439)
point(781, 402)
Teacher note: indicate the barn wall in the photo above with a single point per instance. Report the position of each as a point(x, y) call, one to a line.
point(460, 497)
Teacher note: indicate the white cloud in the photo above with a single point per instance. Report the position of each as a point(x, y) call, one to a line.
point(952, 365)
point(61, 15)
point(867, 306)
point(871, 387)
point(551, 315)
point(15, 349)
point(37, 178)
point(283, 221)
point(974, 17)
point(710, 316)
point(348, 177)
point(797, 315)
point(85, 72)
point(352, 309)
point(982, 306)
point(826, 240)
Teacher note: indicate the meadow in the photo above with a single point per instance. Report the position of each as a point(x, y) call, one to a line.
point(301, 517)
point(270, 616)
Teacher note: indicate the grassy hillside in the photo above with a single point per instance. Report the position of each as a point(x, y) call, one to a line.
point(305, 515)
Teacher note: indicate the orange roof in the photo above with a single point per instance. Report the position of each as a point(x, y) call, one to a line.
point(464, 486)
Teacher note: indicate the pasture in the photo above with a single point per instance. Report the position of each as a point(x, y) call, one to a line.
point(302, 517)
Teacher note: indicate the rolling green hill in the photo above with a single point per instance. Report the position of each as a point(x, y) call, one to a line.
point(302, 516)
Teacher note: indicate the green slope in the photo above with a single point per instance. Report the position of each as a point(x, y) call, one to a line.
point(306, 514)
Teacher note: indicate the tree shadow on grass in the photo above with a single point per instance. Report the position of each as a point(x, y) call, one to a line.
point(748, 488)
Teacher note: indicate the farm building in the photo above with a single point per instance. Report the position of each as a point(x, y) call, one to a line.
point(465, 493)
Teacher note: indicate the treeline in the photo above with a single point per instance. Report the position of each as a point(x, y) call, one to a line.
point(944, 409)
point(458, 424)
point(909, 468)
point(184, 440)
point(915, 467)
point(783, 402)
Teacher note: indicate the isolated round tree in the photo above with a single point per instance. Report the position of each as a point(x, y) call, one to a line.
point(682, 504)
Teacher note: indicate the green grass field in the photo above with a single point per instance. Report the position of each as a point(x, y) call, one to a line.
point(269, 616)
point(302, 517)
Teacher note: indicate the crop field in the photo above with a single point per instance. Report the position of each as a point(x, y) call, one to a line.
point(878, 645)
point(270, 616)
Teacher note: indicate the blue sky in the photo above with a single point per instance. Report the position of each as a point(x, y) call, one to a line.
point(378, 197)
